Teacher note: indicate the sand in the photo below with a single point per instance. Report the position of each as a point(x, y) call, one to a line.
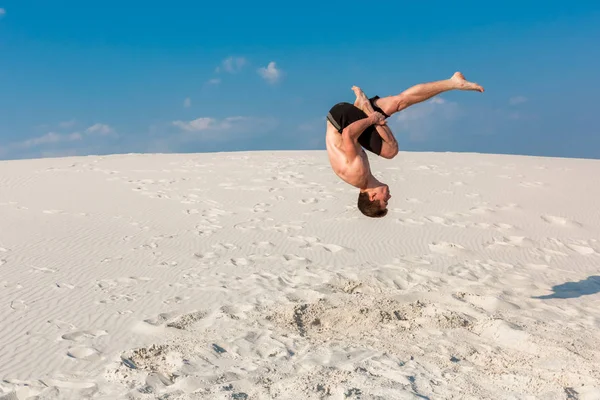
point(252, 275)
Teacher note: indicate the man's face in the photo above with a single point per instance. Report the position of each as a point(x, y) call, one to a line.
point(382, 193)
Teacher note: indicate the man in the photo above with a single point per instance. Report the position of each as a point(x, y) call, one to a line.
point(352, 127)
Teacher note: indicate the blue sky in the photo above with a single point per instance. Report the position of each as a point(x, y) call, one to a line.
point(132, 76)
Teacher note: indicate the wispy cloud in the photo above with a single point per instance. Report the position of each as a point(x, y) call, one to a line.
point(2, 12)
point(421, 120)
point(48, 138)
point(196, 125)
point(214, 81)
point(53, 137)
point(270, 73)
point(100, 129)
point(187, 103)
point(513, 101)
point(63, 141)
point(232, 65)
point(223, 129)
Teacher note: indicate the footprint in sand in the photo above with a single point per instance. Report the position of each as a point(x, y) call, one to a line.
point(251, 224)
point(174, 320)
point(583, 250)
point(64, 285)
point(18, 305)
point(84, 353)
point(481, 210)
point(176, 300)
point(503, 226)
point(81, 336)
point(439, 220)
point(43, 269)
point(186, 320)
point(263, 244)
point(508, 207)
point(532, 184)
point(446, 248)
point(311, 200)
point(409, 222)
point(169, 263)
point(311, 242)
point(261, 207)
point(512, 241)
point(215, 212)
point(295, 260)
point(115, 298)
point(53, 211)
point(240, 262)
point(285, 228)
point(124, 281)
point(206, 256)
point(224, 246)
point(561, 221)
point(2, 262)
point(207, 230)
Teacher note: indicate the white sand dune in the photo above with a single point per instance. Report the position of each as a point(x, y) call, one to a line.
point(253, 276)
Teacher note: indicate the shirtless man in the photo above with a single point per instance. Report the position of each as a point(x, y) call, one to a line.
point(352, 127)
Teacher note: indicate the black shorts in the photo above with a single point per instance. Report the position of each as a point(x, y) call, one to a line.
point(343, 114)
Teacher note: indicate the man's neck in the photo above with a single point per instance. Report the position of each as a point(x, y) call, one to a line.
point(371, 183)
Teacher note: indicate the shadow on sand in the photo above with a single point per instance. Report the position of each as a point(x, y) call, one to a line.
point(570, 290)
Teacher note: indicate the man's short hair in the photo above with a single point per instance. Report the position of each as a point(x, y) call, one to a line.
point(370, 208)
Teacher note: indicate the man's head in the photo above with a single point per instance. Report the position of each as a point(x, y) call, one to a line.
point(373, 202)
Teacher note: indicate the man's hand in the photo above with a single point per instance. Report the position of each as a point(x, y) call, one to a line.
point(377, 118)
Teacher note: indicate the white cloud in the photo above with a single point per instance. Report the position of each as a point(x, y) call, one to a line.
point(517, 100)
point(232, 65)
point(196, 125)
point(2, 11)
point(214, 81)
point(100, 129)
point(187, 103)
point(48, 138)
point(421, 120)
point(56, 143)
point(223, 129)
point(271, 74)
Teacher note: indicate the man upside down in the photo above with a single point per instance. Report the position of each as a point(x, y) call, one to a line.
point(362, 125)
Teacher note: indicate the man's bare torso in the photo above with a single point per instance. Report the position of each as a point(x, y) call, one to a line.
point(354, 172)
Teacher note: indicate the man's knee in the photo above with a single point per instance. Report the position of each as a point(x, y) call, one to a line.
point(401, 101)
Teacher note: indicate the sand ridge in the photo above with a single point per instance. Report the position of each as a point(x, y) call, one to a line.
point(252, 275)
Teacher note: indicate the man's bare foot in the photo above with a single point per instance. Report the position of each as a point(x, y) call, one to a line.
point(361, 99)
point(363, 103)
point(462, 84)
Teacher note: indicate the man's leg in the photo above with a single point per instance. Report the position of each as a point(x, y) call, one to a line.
point(389, 146)
point(425, 91)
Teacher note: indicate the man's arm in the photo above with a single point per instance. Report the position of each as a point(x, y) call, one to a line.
point(352, 132)
point(390, 145)
point(386, 135)
point(355, 129)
